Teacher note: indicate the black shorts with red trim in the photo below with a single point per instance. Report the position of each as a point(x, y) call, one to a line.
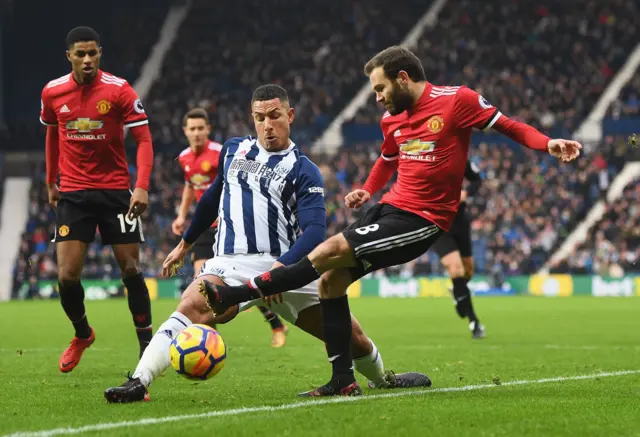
point(387, 236)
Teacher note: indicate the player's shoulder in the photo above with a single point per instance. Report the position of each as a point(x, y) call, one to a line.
point(214, 146)
point(112, 80)
point(306, 166)
point(389, 120)
point(185, 154)
point(57, 85)
point(232, 144)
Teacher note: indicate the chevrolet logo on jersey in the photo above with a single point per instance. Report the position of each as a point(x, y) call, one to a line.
point(84, 125)
point(199, 179)
point(417, 147)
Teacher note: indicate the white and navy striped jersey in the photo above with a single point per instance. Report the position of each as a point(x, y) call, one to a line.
point(262, 195)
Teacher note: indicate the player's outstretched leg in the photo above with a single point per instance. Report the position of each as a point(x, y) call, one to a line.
point(278, 328)
point(155, 359)
point(70, 261)
point(367, 359)
point(128, 256)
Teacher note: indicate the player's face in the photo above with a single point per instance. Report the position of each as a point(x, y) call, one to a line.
point(392, 94)
point(197, 132)
point(272, 119)
point(85, 60)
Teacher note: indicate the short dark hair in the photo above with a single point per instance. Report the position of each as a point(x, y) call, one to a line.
point(268, 92)
point(82, 34)
point(395, 59)
point(195, 113)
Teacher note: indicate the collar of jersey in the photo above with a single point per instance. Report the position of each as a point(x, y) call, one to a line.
point(281, 152)
point(424, 98)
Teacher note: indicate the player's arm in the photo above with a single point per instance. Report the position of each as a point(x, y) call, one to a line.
point(135, 119)
point(311, 213)
point(207, 208)
point(381, 173)
point(188, 196)
point(473, 110)
point(52, 147)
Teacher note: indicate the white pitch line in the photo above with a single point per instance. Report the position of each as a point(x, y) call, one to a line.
point(305, 404)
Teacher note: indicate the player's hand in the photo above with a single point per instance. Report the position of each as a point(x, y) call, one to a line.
point(178, 226)
point(356, 198)
point(138, 204)
point(565, 150)
point(175, 260)
point(54, 194)
point(276, 298)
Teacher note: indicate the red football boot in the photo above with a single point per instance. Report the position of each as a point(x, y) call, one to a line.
point(71, 356)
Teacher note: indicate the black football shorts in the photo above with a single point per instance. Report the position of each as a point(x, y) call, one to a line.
point(388, 236)
point(79, 213)
point(457, 239)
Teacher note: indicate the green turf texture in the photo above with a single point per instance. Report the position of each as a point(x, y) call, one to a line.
point(527, 339)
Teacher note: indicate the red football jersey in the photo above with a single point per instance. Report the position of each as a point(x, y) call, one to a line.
point(431, 142)
point(200, 170)
point(91, 120)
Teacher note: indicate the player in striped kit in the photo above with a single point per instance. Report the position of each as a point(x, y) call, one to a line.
point(270, 200)
point(199, 162)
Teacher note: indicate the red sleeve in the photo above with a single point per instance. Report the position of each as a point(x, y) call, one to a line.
point(473, 110)
point(390, 149)
point(51, 154)
point(132, 110)
point(47, 114)
point(144, 158)
point(381, 173)
point(522, 133)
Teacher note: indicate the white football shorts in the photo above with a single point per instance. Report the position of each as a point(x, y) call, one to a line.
point(239, 269)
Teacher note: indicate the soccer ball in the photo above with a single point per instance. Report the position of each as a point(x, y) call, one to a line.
point(198, 352)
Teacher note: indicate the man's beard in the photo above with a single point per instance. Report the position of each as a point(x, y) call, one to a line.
point(401, 100)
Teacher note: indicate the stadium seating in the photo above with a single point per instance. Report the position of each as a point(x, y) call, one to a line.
point(543, 62)
point(316, 50)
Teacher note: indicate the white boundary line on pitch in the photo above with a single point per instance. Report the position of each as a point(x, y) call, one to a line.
point(314, 403)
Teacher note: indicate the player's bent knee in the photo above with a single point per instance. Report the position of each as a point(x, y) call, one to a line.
point(66, 275)
point(334, 283)
point(333, 253)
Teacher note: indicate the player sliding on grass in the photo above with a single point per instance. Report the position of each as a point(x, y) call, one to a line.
point(270, 200)
point(427, 130)
point(199, 162)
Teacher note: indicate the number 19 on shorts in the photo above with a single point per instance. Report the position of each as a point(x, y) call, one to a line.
point(126, 222)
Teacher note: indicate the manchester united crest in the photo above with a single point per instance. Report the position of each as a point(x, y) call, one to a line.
point(435, 124)
point(63, 231)
point(205, 166)
point(103, 106)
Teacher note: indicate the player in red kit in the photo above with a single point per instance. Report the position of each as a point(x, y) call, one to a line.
point(199, 162)
point(426, 131)
point(86, 112)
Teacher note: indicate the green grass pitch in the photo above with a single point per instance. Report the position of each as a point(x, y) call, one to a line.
point(528, 339)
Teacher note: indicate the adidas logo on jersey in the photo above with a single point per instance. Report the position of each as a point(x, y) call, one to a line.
point(64, 109)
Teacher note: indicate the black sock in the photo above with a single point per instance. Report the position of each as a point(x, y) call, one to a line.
point(271, 317)
point(273, 282)
point(462, 295)
point(72, 300)
point(140, 307)
point(336, 319)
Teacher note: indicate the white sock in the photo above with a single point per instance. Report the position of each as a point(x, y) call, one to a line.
point(371, 366)
point(155, 358)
